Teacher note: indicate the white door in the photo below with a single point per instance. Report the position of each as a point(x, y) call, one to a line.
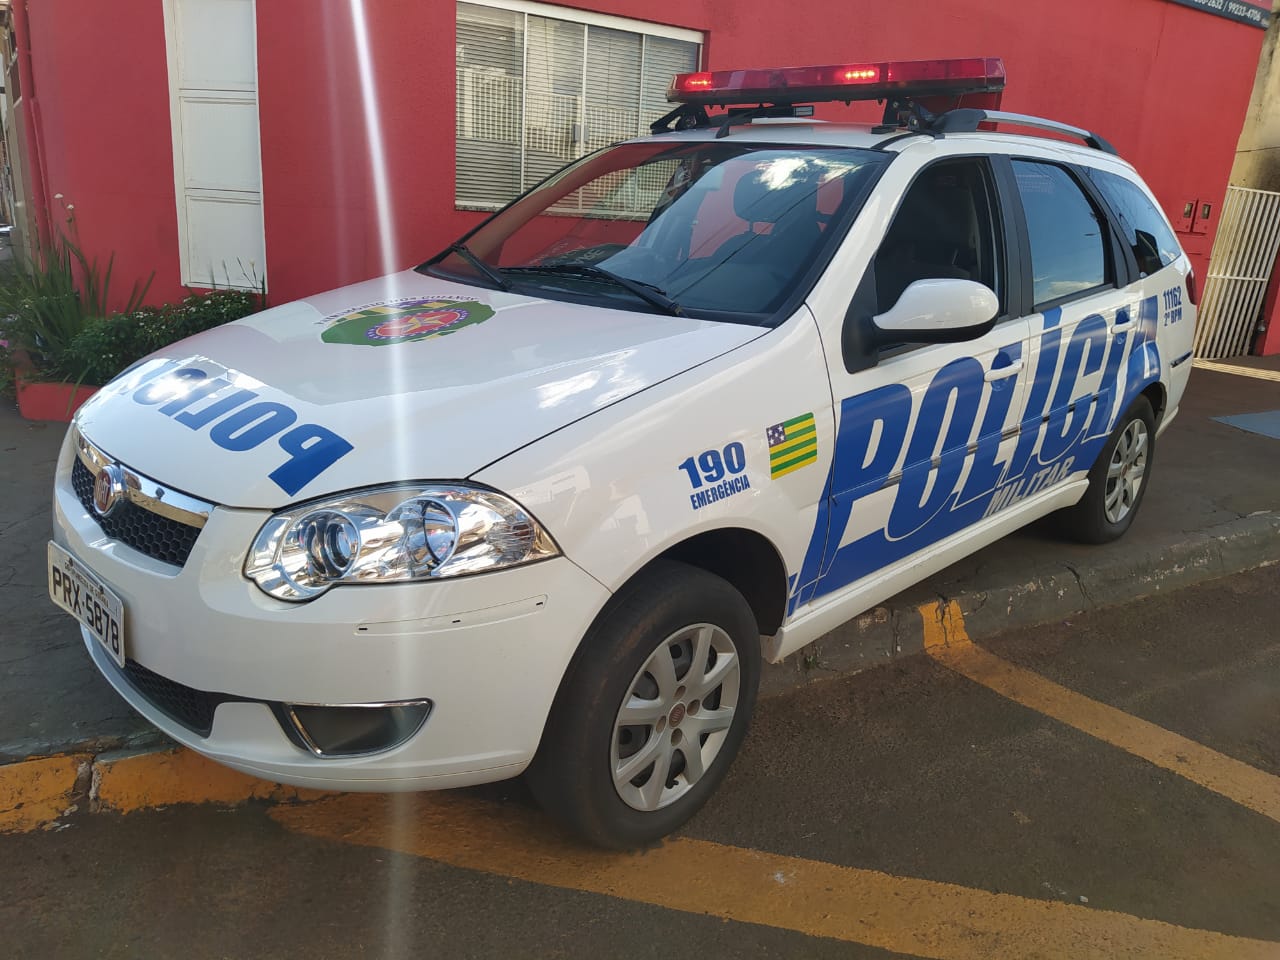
point(213, 92)
point(923, 435)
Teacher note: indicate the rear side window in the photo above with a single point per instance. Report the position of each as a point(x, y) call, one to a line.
point(1145, 230)
point(1068, 253)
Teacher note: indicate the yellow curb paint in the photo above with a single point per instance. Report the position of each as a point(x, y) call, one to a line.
point(944, 626)
point(946, 640)
point(126, 784)
point(916, 917)
point(38, 791)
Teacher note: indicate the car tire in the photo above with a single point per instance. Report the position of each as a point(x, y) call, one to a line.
point(1117, 481)
point(677, 651)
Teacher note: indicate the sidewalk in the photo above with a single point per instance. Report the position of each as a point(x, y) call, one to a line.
point(1213, 508)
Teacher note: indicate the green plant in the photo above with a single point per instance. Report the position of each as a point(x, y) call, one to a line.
point(50, 298)
point(249, 277)
point(6, 366)
point(107, 345)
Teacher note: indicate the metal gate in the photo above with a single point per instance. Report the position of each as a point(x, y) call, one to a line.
point(1243, 254)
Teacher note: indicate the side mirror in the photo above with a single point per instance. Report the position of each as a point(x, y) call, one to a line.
point(939, 310)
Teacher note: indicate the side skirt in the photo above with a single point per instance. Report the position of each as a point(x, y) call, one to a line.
point(823, 616)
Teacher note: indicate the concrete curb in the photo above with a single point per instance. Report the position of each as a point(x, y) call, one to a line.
point(39, 792)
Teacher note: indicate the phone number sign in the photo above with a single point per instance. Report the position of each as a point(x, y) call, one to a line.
point(1237, 10)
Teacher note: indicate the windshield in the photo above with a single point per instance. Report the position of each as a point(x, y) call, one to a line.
point(715, 228)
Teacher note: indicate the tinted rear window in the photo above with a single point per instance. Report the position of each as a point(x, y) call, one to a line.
point(1144, 228)
point(1068, 256)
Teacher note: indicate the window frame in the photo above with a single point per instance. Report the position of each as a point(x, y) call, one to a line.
point(588, 19)
point(1001, 222)
point(1007, 242)
point(592, 19)
point(1117, 264)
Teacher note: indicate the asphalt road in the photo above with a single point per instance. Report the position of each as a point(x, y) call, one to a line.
point(908, 811)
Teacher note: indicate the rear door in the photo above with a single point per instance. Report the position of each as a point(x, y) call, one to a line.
point(1086, 320)
point(1160, 268)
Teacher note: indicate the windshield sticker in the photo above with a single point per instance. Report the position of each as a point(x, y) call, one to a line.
point(403, 321)
point(792, 444)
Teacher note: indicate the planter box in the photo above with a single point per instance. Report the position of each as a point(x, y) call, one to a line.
point(50, 401)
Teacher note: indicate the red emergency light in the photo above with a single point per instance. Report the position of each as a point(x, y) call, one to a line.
point(848, 81)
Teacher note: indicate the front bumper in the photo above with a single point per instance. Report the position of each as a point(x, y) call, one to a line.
point(488, 651)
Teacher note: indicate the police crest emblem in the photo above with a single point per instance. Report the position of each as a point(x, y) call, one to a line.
point(404, 321)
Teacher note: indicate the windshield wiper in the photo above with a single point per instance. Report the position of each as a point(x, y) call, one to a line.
point(654, 296)
point(492, 273)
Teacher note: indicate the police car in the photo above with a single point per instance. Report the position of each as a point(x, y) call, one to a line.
point(546, 503)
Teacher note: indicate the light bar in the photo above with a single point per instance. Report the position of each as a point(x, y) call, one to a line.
point(848, 81)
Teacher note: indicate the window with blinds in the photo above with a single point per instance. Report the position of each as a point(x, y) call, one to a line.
point(536, 91)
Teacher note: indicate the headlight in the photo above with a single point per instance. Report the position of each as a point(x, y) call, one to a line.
point(392, 534)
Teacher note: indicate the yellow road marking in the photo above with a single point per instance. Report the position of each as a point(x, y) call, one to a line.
point(37, 791)
point(923, 918)
point(1254, 372)
point(947, 641)
point(126, 784)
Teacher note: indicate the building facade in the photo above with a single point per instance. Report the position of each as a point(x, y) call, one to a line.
point(302, 145)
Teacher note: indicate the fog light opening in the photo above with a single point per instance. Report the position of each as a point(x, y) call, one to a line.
point(351, 730)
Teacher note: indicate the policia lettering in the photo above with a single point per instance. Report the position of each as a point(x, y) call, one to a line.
point(1061, 431)
point(234, 426)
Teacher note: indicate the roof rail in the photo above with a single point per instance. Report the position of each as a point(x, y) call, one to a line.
point(967, 121)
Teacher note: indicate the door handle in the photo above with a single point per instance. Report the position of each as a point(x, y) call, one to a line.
point(1123, 327)
point(1003, 373)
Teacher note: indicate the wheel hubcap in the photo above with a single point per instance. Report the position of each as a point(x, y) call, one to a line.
point(1126, 471)
point(676, 716)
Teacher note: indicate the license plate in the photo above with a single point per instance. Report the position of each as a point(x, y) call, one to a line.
point(79, 592)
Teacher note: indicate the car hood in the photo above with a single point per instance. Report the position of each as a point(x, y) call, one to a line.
point(407, 377)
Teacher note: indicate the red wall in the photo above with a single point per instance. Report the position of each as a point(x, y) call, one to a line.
point(1131, 69)
point(317, 164)
point(100, 98)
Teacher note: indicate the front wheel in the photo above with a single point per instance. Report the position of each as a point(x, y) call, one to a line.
point(1117, 481)
point(652, 711)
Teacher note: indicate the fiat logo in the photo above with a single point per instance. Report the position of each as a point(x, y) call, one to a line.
point(108, 489)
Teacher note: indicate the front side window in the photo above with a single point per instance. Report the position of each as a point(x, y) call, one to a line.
point(1068, 253)
point(946, 227)
point(1144, 227)
point(535, 92)
point(712, 228)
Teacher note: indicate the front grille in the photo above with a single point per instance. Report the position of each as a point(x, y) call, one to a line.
point(160, 538)
point(185, 705)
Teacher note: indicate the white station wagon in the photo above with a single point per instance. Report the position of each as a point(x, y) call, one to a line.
point(545, 504)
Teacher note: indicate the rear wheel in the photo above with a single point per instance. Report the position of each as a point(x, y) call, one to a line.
point(1117, 480)
point(653, 709)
